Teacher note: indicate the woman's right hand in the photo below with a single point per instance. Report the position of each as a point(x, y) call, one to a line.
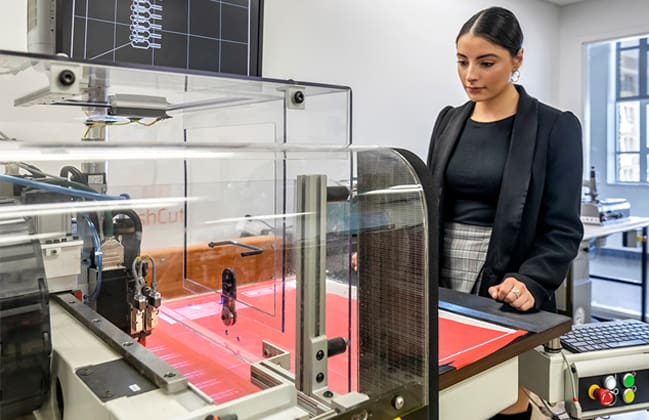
point(513, 292)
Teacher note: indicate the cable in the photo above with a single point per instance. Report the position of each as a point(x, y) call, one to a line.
point(31, 169)
point(73, 192)
point(130, 240)
point(137, 273)
point(135, 218)
point(572, 380)
point(102, 124)
point(575, 398)
point(56, 180)
point(154, 281)
point(92, 297)
point(118, 123)
point(136, 269)
point(68, 184)
point(76, 174)
point(149, 124)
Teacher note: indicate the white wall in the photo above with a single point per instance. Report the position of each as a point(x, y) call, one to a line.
point(13, 25)
point(398, 57)
point(594, 20)
point(582, 23)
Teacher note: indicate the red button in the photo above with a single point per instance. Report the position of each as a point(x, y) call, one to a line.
point(604, 396)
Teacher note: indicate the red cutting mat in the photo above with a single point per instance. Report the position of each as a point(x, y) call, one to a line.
point(461, 344)
point(217, 358)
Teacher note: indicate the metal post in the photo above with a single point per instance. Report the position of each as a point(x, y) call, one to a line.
point(311, 341)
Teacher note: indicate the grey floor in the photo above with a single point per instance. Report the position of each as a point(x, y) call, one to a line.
point(625, 299)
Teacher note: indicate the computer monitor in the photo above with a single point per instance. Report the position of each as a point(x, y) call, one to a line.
point(208, 35)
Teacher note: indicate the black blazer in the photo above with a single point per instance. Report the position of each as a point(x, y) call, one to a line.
point(537, 231)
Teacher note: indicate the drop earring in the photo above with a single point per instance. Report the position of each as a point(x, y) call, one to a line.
point(515, 76)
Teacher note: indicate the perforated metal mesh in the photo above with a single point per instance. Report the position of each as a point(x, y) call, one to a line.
point(393, 276)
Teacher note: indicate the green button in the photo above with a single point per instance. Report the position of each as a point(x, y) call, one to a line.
point(628, 396)
point(629, 380)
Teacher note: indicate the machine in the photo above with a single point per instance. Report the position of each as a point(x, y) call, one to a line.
point(598, 211)
point(132, 273)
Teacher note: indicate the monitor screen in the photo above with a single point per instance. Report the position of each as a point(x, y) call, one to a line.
point(208, 35)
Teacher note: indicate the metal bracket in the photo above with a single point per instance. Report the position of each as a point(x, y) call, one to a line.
point(253, 249)
point(147, 363)
point(65, 83)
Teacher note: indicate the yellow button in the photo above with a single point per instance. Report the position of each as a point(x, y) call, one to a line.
point(591, 391)
point(628, 395)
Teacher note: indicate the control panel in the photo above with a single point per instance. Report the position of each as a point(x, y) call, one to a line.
point(591, 384)
point(614, 389)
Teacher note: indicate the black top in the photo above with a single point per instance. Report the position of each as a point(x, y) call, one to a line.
point(475, 172)
point(536, 231)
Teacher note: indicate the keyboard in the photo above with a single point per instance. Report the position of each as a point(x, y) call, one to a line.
point(606, 335)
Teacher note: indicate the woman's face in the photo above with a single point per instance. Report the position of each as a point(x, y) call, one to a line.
point(484, 68)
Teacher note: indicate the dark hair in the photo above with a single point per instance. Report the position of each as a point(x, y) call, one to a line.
point(498, 25)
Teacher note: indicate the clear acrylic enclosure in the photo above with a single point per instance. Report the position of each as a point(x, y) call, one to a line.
point(241, 202)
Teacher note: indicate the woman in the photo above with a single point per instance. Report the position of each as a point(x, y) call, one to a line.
point(507, 170)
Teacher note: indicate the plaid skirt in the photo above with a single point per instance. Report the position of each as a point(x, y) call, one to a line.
point(464, 253)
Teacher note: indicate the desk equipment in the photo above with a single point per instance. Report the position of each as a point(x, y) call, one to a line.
point(606, 335)
point(597, 211)
point(608, 210)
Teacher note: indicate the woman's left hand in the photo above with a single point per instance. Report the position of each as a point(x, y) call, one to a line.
point(513, 292)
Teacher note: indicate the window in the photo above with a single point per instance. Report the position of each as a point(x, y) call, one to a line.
point(631, 108)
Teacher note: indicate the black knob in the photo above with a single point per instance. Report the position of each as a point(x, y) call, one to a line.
point(298, 97)
point(336, 345)
point(67, 77)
